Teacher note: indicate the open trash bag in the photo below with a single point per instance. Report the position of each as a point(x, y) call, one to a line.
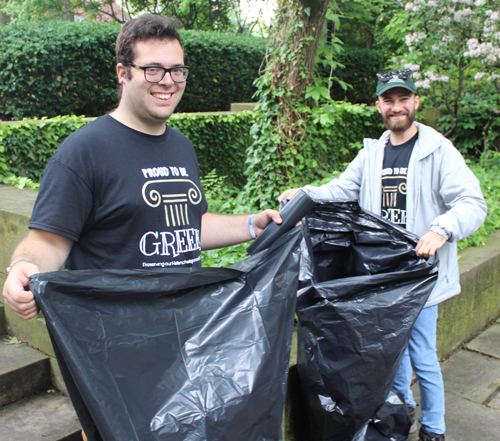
point(179, 353)
point(366, 289)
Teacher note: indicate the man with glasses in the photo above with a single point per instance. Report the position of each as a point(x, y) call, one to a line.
point(124, 192)
point(414, 177)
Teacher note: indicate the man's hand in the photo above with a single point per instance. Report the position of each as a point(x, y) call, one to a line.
point(16, 293)
point(289, 194)
point(429, 243)
point(263, 219)
point(223, 230)
point(43, 251)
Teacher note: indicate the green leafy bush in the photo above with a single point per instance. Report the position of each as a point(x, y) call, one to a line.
point(487, 170)
point(28, 145)
point(63, 68)
point(220, 141)
point(224, 67)
point(56, 68)
point(334, 134)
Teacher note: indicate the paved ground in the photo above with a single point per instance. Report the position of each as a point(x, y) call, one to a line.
point(472, 385)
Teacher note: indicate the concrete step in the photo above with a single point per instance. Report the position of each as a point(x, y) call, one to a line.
point(45, 416)
point(23, 371)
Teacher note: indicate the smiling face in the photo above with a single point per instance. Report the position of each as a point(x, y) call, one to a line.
point(397, 107)
point(146, 106)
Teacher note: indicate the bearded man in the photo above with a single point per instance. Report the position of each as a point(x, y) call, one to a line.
point(414, 177)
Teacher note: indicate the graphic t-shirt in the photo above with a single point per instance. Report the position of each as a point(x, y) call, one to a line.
point(394, 175)
point(129, 200)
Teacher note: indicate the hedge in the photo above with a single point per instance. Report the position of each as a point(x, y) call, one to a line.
point(220, 140)
point(63, 68)
point(56, 68)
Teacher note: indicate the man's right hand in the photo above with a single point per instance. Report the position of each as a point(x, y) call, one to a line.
point(15, 290)
point(289, 194)
point(44, 252)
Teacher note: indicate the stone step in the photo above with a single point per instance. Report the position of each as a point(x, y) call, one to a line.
point(23, 371)
point(45, 416)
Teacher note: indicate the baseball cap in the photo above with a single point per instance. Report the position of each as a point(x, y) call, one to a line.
point(400, 78)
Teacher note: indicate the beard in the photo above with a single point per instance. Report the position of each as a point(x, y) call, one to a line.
point(399, 126)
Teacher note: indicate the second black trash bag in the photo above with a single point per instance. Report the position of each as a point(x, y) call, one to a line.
point(355, 316)
point(178, 354)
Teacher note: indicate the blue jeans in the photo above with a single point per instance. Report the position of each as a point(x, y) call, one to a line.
point(421, 355)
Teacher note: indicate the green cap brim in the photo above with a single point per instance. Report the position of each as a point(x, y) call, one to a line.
point(384, 86)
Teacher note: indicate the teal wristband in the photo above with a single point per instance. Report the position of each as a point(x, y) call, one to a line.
point(250, 226)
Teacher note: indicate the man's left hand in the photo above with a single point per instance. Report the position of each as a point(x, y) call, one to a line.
point(429, 243)
point(263, 219)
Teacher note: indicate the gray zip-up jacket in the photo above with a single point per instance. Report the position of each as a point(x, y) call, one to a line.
point(443, 195)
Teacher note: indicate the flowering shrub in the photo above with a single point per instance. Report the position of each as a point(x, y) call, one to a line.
point(453, 49)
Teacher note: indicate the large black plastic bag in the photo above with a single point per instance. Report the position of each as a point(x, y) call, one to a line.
point(355, 317)
point(177, 354)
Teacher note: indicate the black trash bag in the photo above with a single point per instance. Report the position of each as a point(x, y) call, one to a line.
point(391, 423)
point(355, 315)
point(179, 353)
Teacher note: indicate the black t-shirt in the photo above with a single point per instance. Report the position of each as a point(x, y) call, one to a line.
point(394, 175)
point(129, 200)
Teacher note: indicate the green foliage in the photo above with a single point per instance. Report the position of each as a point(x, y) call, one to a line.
point(290, 104)
point(335, 133)
point(224, 67)
point(360, 20)
point(487, 170)
point(359, 69)
point(56, 68)
point(40, 10)
point(61, 68)
point(222, 198)
point(453, 48)
point(28, 145)
point(220, 141)
point(210, 15)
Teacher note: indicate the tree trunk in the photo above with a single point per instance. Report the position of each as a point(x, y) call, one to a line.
point(4, 18)
point(298, 28)
point(68, 11)
point(297, 34)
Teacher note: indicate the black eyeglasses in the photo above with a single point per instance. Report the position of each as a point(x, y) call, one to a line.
point(403, 74)
point(154, 74)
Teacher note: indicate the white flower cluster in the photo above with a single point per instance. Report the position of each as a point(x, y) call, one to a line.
point(487, 51)
point(414, 39)
point(411, 7)
point(428, 78)
point(426, 84)
point(492, 76)
point(412, 67)
point(494, 15)
point(462, 14)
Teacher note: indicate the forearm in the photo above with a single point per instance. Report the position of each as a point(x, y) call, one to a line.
point(223, 230)
point(47, 251)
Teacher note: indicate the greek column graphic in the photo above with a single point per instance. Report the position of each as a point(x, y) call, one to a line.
point(176, 205)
